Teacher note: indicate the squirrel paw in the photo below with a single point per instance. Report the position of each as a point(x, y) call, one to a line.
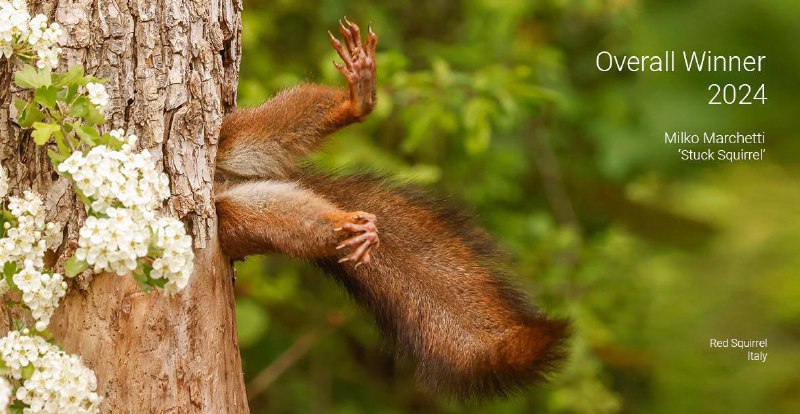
point(359, 66)
point(365, 238)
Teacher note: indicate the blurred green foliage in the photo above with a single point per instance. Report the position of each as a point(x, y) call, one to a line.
point(499, 104)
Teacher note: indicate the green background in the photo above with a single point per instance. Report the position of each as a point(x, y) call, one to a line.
point(498, 103)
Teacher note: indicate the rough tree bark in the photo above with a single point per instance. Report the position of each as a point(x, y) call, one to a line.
point(173, 68)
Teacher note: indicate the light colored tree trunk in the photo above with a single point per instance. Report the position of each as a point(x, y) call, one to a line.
point(172, 69)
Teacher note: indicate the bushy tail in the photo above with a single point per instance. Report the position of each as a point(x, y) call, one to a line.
point(435, 290)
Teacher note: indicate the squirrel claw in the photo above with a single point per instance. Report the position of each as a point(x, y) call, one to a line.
point(365, 236)
point(359, 66)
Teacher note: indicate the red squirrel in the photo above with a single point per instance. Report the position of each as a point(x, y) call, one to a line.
point(429, 275)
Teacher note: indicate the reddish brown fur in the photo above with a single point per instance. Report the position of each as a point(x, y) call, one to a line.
point(270, 216)
point(265, 141)
point(441, 298)
point(434, 282)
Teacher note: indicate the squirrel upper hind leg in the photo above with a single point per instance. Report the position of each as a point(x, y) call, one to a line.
point(279, 216)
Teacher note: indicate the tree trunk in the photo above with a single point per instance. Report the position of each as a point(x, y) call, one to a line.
point(172, 69)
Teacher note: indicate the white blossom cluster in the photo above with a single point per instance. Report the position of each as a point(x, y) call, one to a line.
point(116, 242)
point(97, 94)
point(112, 178)
point(125, 189)
point(25, 244)
point(26, 36)
point(177, 258)
point(31, 236)
point(41, 292)
point(60, 383)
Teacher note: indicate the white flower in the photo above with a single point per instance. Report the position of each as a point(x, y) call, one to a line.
point(97, 94)
point(48, 57)
point(111, 178)
point(60, 383)
point(14, 18)
point(31, 237)
point(32, 36)
point(52, 235)
point(25, 244)
point(3, 182)
point(117, 242)
point(41, 292)
point(114, 243)
point(124, 189)
point(177, 258)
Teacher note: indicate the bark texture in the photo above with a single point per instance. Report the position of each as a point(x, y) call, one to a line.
point(173, 68)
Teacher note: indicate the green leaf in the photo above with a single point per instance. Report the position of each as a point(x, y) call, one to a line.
point(42, 132)
point(80, 107)
point(56, 158)
point(142, 277)
point(9, 218)
point(3, 367)
point(75, 141)
point(27, 371)
point(85, 200)
point(29, 116)
point(110, 141)
point(47, 335)
point(60, 140)
point(88, 134)
point(63, 148)
point(68, 94)
point(94, 116)
point(9, 270)
point(20, 105)
point(143, 286)
point(74, 76)
point(18, 407)
point(74, 267)
point(159, 283)
point(46, 96)
point(30, 78)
